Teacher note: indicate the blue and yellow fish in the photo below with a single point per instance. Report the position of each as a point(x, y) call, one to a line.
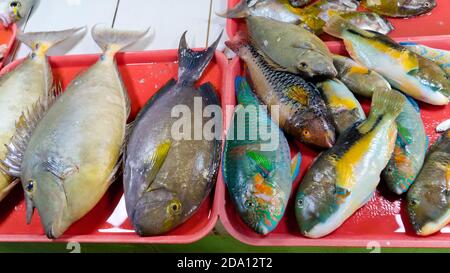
point(439, 56)
point(344, 178)
point(257, 168)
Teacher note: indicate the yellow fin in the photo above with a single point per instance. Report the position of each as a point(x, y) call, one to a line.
point(298, 94)
point(157, 160)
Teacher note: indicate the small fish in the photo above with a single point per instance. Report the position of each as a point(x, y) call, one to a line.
point(400, 8)
point(410, 149)
point(66, 150)
point(344, 107)
point(299, 3)
point(302, 111)
point(365, 20)
point(12, 11)
point(257, 170)
point(168, 176)
point(359, 79)
point(429, 198)
point(344, 179)
point(292, 48)
point(439, 56)
point(406, 71)
point(22, 87)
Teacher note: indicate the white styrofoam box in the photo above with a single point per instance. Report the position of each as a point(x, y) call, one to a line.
point(50, 15)
point(168, 20)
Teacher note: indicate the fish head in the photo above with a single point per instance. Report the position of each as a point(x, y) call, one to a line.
point(415, 7)
point(14, 10)
point(46, 192)
point(316, 64)
point(237, 43)
point(157, 212)
point(318, 131)
point(428, 209)
point(316, 201)
point(261, 204)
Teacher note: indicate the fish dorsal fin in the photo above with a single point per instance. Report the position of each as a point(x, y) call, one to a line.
point(25, 126)
point(156, 161)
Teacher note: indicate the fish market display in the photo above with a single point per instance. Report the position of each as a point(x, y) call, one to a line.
point(428, 199)
point(358, 78)
point(410, 149)
point(365, 20)
point(302, 111)
point(344, 107)
point(166, 176)
point(412, 74)
point(292, 48)
point(67, 163)
point(344, 179)
point(12, 11)
point(400, 8)
point(439, 56)
point(22, 87)
point(256, 167)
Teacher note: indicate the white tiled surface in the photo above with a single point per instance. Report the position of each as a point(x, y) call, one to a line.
point(168, 19)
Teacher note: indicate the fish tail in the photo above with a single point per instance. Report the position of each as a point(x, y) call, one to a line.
point(112, 41)
point(337, 25)
point(244, 92)
point(192, 63)
point(241, 10)
point(41, 42)
point(387, 103)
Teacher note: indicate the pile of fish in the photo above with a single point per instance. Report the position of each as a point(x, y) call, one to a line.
point(66, 148)
point(312, 95)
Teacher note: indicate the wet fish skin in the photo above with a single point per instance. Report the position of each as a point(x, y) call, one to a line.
point(344, 178)
point(412, 74)
point(73, 148)
point(22, 87)
point(166, 179)
point(365, 20)
point(410, 149)
point(428, 199)
point(439, 56)
point(344, 107)
point(359, 79)
point(257, 171)
point(303, 113)
point(12, 11)
point(299, 3)
point(400, 8)
point(292, 48)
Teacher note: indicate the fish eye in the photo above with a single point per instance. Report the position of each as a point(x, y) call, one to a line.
point(31, 186)
point(174, 207)
point(304, 65)
point(249, 204)
point(427, 4)
point(306, 133)
point(300, 203)
point(414, 203)
point(15, 4)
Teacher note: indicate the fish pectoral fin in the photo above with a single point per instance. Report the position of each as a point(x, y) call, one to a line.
point(263, 164)
point(60, 168)
point(156, 161)
point(304, 45)
point(298, 94)
point(275, 66)
point(296, 163)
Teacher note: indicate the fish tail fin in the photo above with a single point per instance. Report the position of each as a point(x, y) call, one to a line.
point(337, 25)
point(244, 93)
point(192, 63)
point(387, 103)
point(241, 10)
point(112, 41)
point(41, 42)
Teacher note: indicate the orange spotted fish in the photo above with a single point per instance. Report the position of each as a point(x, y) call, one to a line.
point(406, 71)
point(344, 179)
point(257, 170)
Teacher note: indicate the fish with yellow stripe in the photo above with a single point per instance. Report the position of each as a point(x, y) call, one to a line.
point(429, 198)
point(344, 178)
point(412, 74)
point(302, 111)
point(439, 56)
point(359, 79)
point(257, 170)
point(344, 107)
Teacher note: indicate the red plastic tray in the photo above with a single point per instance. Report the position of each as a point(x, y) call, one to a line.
point(7, 37)
point(383, 221)
point(143, 73)
point(434, 25)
